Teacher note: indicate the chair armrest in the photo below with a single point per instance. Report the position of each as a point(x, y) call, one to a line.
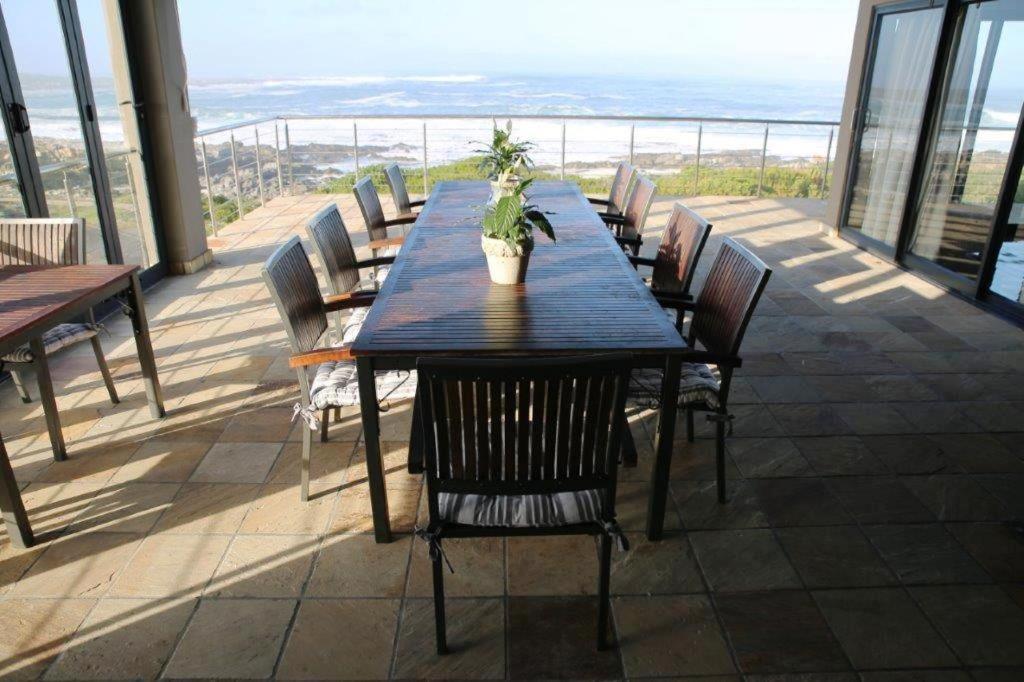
point(613, 219)
point(374, 262)
point(599, 202)
point(636, 261)
point(417, 203)
point(353, 299)
point(400, 220)
point(385, 243)
point(319, 356)
point(676, 301)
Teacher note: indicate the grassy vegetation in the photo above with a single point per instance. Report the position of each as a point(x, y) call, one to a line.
point(779, 181)
point(225, 209)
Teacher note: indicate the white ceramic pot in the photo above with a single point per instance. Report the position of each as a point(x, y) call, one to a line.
point(506, 265)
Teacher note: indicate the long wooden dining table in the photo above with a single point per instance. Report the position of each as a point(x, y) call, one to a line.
point(34, 299)
point(581, 297)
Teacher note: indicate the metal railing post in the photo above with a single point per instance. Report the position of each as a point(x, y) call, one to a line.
point(696, 170)
point(355, 146)
point(72, 209)
point(425, 190)
point(632, 131)
point(136, 211)
point(764, 154)
point(562, 172)
point(209, 189)
point(288, 145)
point(277, 157)
point(828, 158)
point(259, 166)
point(234, 171)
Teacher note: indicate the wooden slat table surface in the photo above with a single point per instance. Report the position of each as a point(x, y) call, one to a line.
point(581, 294)
point(581, 297)
point(33, 296)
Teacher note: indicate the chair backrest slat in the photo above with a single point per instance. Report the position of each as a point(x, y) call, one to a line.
point(620, 187)
point(728, 298)
point(333, 246)
point(42, 241)
point(680, 249)
point(638, 205)
point(369, 206)
point(505, 423)
point(293, 286)
point(399, 192)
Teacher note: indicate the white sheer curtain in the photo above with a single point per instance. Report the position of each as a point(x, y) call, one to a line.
point(899, 85)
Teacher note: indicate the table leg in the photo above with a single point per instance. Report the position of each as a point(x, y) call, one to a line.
point(15, 518)
point(49, 401)
point(145, 349)
point(663, 449)
point(371, 443)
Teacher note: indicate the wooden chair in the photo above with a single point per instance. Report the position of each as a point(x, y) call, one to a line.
point(629, 226)
point(373, 213)
point(341, 268)
point(673, 267)
point(46, 242)
point(292, 283)
point(721, 314)
point(399, 192)
point(621, 183)
point(522, 447)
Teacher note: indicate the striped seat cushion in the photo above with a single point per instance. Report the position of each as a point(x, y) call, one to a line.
point(61, 336)
point(698, 384)
point(336, 385)
point(521, 511)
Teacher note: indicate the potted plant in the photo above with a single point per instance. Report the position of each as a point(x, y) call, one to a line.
point(507, 238)
point(502, 160)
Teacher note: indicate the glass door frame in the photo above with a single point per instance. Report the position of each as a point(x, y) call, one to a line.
point(878, 14)
point(22, 148)
point(900, 254)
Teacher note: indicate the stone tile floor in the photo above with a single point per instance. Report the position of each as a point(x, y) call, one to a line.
point(874, 528)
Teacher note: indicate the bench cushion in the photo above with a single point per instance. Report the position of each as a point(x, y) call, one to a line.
point(61, 336)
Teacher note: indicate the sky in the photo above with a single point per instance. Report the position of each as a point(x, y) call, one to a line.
point(762, 40)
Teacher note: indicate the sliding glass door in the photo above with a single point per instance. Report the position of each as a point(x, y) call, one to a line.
point(970, 145)
point(935, 176)
point(889, 121)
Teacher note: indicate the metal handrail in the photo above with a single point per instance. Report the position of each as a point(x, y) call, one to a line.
point(540, 117)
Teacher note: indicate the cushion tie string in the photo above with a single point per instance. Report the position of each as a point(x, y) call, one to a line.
point(307, 415)
point(433, 540)
point(614, 531)
point(719, 417)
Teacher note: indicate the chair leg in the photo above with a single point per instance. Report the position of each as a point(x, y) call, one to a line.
point(307, 445)
point(324, 424)
point(720, 459)
point(689, 425)
point(629, 454)
point(20, 385)
point(603, 589)
point(104, 370)
point(337, 415)
point(415, 464)
point(439, 620)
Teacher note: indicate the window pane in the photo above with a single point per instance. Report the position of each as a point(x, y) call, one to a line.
point(891, 122)
point(968, 155)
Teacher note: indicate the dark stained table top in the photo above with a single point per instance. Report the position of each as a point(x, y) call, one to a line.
point(581, 294)
point(37, 298)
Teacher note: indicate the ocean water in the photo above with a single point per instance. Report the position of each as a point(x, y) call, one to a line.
point(220, 102)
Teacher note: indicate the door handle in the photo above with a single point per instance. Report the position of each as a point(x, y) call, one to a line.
point(19, 118)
